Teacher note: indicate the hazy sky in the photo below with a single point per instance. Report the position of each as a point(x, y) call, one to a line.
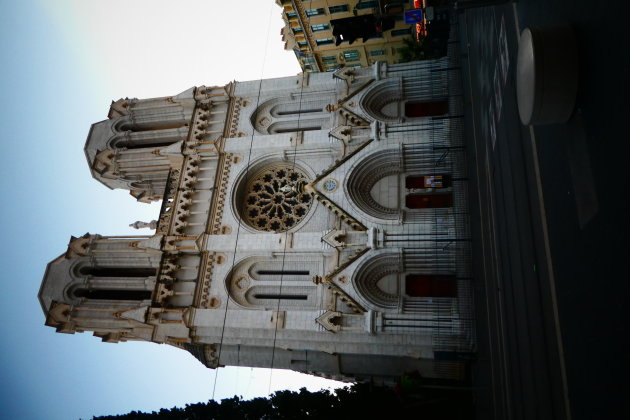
point(63, 62)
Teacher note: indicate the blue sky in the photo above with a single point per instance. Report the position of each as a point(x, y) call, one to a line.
point(62, 64)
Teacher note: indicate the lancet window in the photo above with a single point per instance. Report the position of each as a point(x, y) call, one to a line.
point(259, 283)
point(113, 282)
point(294, 114)
point(117, 271)
point(112, 294)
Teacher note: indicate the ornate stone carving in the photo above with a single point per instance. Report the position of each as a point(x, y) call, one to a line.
point(220, 193)
point(331, 320)
point(79, 247)
point(338, 292)
point(338, 211)
point(335, 238)
point(274, 201)
point(140, 225)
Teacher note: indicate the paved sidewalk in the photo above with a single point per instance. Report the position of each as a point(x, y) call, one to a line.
point(552, 238)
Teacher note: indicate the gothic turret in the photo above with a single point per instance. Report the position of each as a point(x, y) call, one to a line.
point(102, 284)
point(140, 142)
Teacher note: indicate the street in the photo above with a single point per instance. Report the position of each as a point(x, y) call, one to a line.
point(550, 242)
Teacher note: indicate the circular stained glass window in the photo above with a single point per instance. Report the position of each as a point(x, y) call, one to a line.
point(274, 201)
point(330, 185)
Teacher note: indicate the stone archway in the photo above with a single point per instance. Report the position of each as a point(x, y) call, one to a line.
point(382, 101)
point(377, 280)
point(364, 177)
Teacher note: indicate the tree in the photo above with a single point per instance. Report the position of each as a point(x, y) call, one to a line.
point(413, 50)
point(356, 401)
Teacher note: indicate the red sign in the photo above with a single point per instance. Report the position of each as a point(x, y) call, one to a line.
point(420, 27)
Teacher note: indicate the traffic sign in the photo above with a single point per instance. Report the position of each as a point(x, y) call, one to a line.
point(413, 16)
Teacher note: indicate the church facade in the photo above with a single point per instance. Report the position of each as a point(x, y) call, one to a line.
point(315, 223)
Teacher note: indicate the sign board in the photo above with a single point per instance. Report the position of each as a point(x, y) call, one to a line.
point(433, 181)
point(413, 16)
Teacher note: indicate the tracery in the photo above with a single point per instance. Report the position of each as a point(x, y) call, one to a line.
point(274, 201)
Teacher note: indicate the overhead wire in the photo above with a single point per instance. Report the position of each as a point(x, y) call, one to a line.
point(245, 180)
point(286, 242)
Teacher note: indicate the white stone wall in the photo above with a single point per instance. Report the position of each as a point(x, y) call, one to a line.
point(220, 277)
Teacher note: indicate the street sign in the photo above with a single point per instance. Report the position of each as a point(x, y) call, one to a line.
point(413, 16)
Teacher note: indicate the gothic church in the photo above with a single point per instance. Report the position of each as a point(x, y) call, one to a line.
point(315, 223)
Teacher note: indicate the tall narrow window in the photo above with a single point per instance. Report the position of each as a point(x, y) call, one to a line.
point(416, 109)
point(283, 272)
point(152, 126)
point(324, 41)
point(288, 129)
point(138, 145)
point(338, 9)
point(279, 296)
point(430, 285)
point(297, 111)
point(369, 4)
point(113, 294)
point(118, 271)
point(319, 27)
point(315, 12)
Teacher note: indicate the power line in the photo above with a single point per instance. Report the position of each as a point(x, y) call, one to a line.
point(286, 242)
point(246, 180)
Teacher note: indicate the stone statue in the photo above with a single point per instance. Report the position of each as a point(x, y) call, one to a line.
point(139, 225)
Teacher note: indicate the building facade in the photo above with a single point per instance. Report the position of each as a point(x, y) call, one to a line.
point(315, 223)
point(309, 31)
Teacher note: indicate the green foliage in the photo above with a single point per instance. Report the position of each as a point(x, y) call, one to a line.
point(413, 50)
point(361, 400)
point(432, 46)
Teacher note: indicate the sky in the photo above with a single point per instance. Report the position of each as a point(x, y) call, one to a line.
point(63, 62)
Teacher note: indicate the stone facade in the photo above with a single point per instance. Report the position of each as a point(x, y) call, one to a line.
point(315, 223)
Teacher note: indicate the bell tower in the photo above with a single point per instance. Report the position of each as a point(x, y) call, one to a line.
point(102, 284)
point(140, 142)
point(131, 287)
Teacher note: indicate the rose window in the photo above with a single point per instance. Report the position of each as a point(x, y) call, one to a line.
point(274, 200)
